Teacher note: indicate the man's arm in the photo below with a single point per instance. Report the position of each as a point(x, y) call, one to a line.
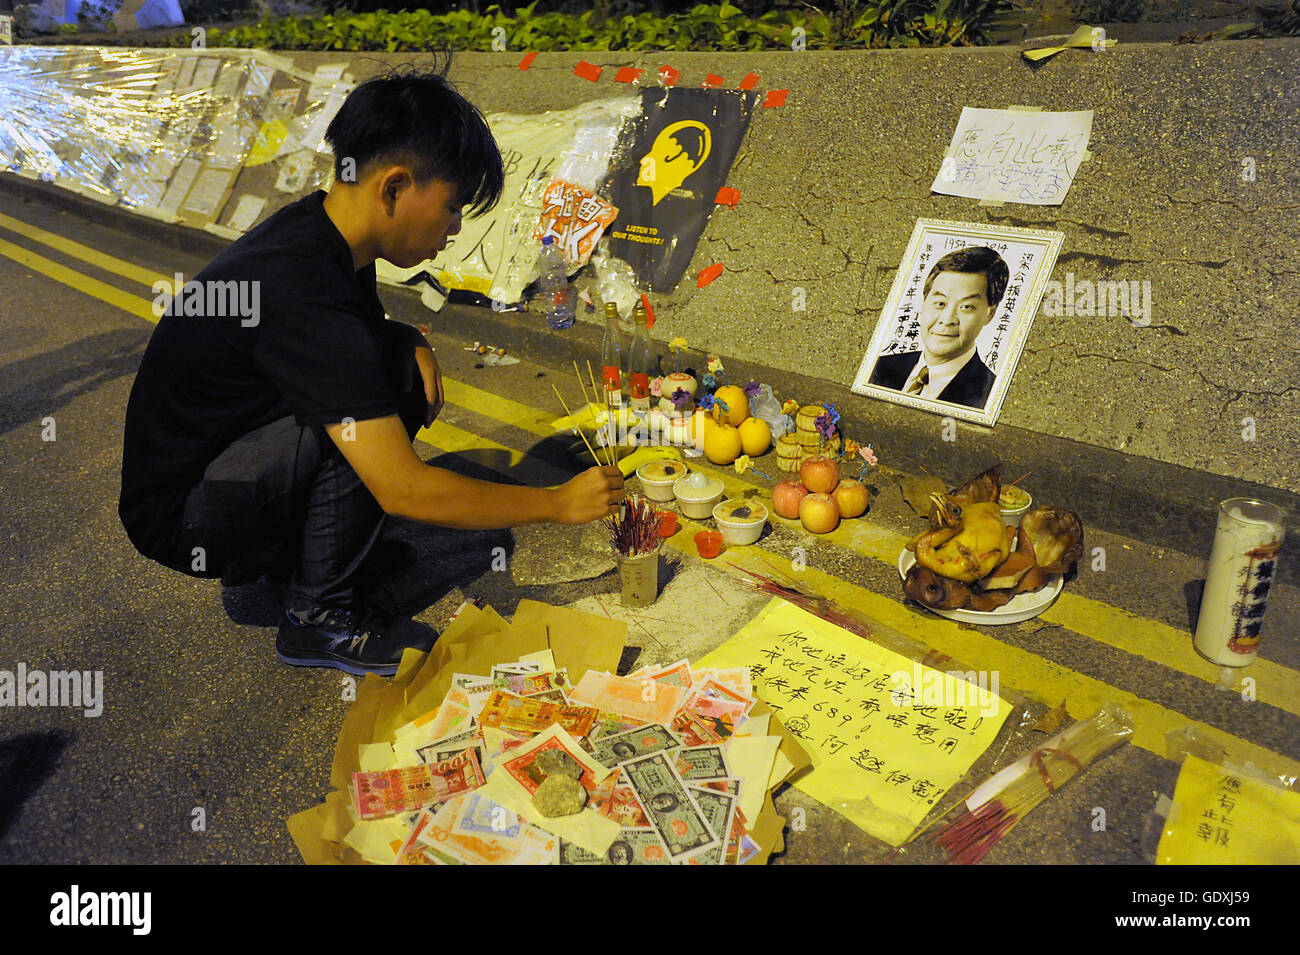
point(380, 452)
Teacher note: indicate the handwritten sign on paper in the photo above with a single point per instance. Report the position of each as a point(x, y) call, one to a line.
point(1226, 818)
point(1013, 156)
point(575, 218)
point(887, 736)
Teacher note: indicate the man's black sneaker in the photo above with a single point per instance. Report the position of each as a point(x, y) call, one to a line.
point(339, 639)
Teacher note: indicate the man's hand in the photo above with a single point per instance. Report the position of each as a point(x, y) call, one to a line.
point(432, 376)
point(593, 494)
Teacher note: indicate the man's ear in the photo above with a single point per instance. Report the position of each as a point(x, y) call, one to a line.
point(393, 182)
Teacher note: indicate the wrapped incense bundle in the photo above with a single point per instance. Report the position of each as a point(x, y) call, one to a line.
point(1009, 794)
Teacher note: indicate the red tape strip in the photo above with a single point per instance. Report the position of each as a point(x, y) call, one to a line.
point(649, 311)
point(527, 61)
point(727, 196)
point(627, 74)
point(707, 275)
point(712, 81)
point(669, 76)
point(587, 71)
point(775, 98)
point(749, 82)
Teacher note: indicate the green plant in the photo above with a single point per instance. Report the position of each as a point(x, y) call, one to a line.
point(1108, 11)
point(721, 26)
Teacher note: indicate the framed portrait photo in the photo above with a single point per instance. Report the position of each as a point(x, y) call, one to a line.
point(957, 317)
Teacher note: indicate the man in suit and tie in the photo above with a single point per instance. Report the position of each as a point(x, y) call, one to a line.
point(960, 296)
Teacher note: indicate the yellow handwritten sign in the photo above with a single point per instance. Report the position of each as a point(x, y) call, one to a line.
point(887, 736)
point(1224, 818)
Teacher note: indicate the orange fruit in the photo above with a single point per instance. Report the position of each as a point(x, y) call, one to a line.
point(755, 436)
point(722, 444)
point(737, 403)
point(701, 425)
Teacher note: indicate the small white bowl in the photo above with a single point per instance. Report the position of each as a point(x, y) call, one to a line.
point(659, 487)
point(697, 499)
point(1011, 515)
point(736, 532)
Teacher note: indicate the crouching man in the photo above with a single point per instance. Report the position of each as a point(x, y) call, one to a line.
point(273, 438)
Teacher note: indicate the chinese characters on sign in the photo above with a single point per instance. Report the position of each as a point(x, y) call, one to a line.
point(887, 736)
point(1222, 816)
point(1013, 156)
point(575, 218)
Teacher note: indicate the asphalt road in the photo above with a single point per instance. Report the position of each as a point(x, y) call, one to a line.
point(200, 722)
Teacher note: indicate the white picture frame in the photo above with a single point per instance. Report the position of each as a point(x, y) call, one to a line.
point(1029, 256)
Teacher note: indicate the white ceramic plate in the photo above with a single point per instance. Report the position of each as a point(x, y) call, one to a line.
point(1020, 608)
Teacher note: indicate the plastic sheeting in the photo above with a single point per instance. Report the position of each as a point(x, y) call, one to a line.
point(218, 139)
point(167, 133)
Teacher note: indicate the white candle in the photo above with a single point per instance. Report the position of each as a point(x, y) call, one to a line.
point(1242, 567)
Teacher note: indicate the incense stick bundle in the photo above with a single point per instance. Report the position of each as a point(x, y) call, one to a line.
point(635, 528)
point(1009, 794)
point(565, 406)
point(807, 599)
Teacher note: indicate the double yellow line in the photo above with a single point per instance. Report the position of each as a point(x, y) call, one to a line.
point(1026, 672)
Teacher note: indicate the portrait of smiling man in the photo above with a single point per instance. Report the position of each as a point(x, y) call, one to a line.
point(959, 298)
point(277, 445)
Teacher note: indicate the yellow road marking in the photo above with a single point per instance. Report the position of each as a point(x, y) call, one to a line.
point(132, 304)
point(1168, 646)
point(524, 417)
point(1029, 673)
point(1025, 672)
point(454, 440)
point(99, 259)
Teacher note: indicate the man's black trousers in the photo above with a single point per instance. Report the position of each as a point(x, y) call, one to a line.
point(282, 500)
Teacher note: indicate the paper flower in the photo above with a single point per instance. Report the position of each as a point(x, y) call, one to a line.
point(681, 398)
point(677, 344)
point(715, 364)
point(720, 403)
point(868, 455)
point(850, 447)
point(708, 382)
point(706, 402)
point(825, 427)
point(656, 387)
point(790, 407)
point(743, 464)
point(832, 413)
point(752, 389)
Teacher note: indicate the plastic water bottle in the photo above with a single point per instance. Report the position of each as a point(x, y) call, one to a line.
point(553, 280)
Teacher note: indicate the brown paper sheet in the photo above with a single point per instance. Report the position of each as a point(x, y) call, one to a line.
point(580, 641)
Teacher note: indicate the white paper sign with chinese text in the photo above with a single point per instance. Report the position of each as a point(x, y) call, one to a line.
point(1008, 155)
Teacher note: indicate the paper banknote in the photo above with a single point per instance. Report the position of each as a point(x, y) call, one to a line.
point(393, 791)
point(673, 812)
point(517, 715)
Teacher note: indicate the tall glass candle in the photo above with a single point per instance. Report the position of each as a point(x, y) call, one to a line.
point(1243, 563)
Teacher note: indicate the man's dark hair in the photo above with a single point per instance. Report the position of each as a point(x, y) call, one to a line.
point(977, 258)
point(420, 120)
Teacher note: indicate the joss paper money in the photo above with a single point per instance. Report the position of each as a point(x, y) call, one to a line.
point(392, 791)
point(673, 812)
point(518, 715)
point(612, 750)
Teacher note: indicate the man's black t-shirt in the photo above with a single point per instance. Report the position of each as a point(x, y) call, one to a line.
point(312, 349)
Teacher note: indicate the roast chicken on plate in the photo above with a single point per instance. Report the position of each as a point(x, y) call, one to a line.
point(969, 559)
